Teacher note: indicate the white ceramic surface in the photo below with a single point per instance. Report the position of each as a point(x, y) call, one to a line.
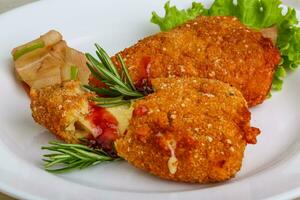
point(271, 168)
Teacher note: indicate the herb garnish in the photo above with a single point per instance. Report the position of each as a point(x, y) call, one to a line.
point(74, 72)
point(120, 88)
point(73, 156)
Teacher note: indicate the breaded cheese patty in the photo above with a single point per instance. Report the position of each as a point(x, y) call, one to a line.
point(190, 130)
point(214, 47)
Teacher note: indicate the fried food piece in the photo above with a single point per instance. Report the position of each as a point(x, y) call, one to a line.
point(47, 61)
point(62, 109)
point(190, 130)
point(66, 111)
point(219, 48)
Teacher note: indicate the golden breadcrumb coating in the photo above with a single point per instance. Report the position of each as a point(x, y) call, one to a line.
point(62, 109)
point(219, 48)
point(190, 129)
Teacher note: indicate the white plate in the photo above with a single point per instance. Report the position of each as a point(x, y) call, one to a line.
point(271, 168)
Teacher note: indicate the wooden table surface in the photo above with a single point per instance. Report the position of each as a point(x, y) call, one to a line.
point(6, 5)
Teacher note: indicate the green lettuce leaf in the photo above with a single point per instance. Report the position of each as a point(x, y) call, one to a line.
point(256, 14)
point(288, 43)
point(175, 17)
point(223, 8)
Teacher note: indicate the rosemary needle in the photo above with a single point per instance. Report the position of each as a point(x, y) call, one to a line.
point(68, 157)
point(119, 85)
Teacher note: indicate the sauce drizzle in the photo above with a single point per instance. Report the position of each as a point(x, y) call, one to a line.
point(143, 84)
point(105, 126)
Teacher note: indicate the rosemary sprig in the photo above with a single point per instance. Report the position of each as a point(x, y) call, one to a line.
point(68, 157)
point(101, 91)
point(111, 101)
point(120, 85)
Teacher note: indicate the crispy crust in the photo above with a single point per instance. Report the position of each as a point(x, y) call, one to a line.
point(58, 107)
point(220, 48)
point(206, 119)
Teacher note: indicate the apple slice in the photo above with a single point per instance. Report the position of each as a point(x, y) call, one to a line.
point(49, 39)
point(47, 61)
point(77, 59)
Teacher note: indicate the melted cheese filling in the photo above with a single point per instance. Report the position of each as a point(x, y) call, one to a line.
point(172, 162)
point(123, 114)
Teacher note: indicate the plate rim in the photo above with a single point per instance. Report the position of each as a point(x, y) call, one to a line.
point(7, 189)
